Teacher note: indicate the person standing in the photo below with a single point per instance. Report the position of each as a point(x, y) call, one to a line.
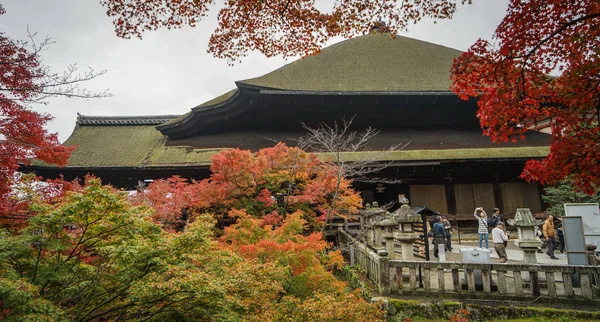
point(550, 234)
point(561, 237)
point(448, 228)
point(482, 229)
point(439, 235)
point(495, 219)
point(500, 240)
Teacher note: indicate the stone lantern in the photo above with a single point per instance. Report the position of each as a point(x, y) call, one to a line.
point(370, 216)
point(406, 219)
point(387, 227)
point(528, 241)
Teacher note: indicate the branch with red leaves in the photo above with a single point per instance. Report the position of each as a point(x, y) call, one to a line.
point(276, 27)
point(24, 80)
point(543, 64)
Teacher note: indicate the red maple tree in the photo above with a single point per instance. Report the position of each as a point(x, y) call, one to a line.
point(269, 184)
point(275, 27)
point(543, 65)
point(24, 81)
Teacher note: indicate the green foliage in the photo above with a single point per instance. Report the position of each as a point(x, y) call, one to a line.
point(563, 193)
point(91, 255)
point(424, 310)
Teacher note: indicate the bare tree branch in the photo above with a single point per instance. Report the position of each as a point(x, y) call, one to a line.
point(350, 152)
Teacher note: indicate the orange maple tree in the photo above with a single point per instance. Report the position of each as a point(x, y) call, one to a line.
point(268, 184)
point(276, 27)
point(542, 65)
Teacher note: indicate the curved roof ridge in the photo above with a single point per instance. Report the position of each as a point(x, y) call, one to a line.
point(124, 120)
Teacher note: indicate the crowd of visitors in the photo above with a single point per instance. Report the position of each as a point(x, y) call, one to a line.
point(552, 238)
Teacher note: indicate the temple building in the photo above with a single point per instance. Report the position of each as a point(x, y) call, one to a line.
point(398, 85)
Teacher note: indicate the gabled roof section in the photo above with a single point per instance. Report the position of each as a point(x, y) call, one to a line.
point(371, 63)
point(215, 102)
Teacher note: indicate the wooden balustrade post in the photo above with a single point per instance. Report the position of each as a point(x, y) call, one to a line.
point(502, 287)
point(518, 283)
point(586, 285)
point(550, 281)
point(412, 275)
point(384, 276)
point(426, 277)
point(399, 278)
point(535, 283)
point(441, 279)
point(456, 280)
point(568, 284)
point(486, 280)
point(470, 280)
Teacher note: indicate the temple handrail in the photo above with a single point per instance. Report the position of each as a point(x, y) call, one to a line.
point(504, 281)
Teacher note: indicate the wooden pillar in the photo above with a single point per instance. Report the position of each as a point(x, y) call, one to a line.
point(450, 198)
point(498, 192)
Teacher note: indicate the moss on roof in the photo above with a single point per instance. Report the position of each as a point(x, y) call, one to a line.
point(219, 99)
point(180, 156)
point(373, 62)
point(451, 154)
point(112, 146)
point(176, 120)
point(144, 146)
point(215, 101)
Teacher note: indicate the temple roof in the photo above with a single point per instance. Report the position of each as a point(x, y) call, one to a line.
point(372, 66)
point(122, 142)
point(370, 63)
point(397, 84)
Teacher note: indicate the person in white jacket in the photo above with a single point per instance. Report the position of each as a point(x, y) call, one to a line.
point(500, 239)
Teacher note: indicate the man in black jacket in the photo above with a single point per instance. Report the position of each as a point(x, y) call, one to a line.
point(439, 235)
point(495, 219)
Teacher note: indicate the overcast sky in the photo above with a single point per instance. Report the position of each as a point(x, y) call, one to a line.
point(169, 71)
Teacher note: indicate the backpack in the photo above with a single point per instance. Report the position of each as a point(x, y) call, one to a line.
point(492, 222)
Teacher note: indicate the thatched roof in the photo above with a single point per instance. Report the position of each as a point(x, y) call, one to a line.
point(142, 146)
point(370, 63)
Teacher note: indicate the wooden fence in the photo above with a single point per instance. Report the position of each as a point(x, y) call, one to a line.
point(472, 280)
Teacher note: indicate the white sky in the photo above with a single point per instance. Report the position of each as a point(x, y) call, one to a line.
point(169, 71)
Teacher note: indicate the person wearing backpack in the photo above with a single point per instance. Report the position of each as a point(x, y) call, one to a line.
point(439, 235)
point(482, 229)
point(494, 220)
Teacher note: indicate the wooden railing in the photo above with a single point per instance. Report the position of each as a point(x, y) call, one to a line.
point(472, 280)
point(356, 253)
point(495, 280)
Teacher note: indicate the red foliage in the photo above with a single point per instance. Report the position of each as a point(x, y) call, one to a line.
point(510, 78)
point(269, 184)
point(22, 133)
point(28, 189)
point(276, 27)
point(460, 315)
